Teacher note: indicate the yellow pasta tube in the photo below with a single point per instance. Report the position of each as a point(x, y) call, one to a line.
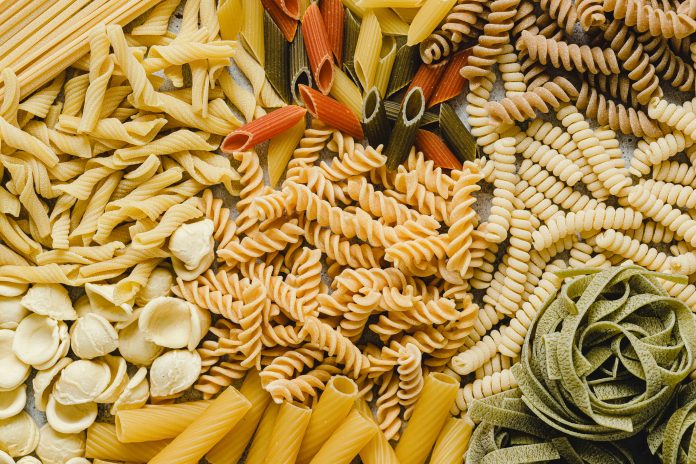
point(203, 433)
point(427, 19)
point(252, 28)
point(429, 415)
point(367, 50)
point(280, 150)
point(157, 422)
point(390, 3)
point(232, 445)
point(102, 443)
point(290, 426)
point(390, 22)
point(231, 22)
point(333, 407)
point(384, 66)
point(453, 441)
point(346, 442)
point(345, 91)
point(378, 450)
point(259, 447)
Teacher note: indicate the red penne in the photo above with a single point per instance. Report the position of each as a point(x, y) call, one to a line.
point(435, 149)
point(289, 7)
point(452, 82)
point(331, 112)
point(332, 13)
point(286, 24)
point(319, 53)
point(427, 77)
point(262, 129)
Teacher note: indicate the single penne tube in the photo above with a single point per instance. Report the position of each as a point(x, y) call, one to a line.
point(231, 447)
point(453, 441)
point(406, 14)
point(263, 129)
point(157, 422)
point(390, 23)
point(288, 432)
point(436, 150)
point(259, 445)
point(316, 42)
point(102, 443)
point(456, 134)
point(428, 77)
point(390, 3)
point(427, 19)
point(429, 415)
point(334, 405)
point(384, 66)
point(333, 14)
point(378, 450)
point(277, 51)
point(284, 22)
point(300, 73)
point(197, 439)
point(289, 7)
point(331, 112)
point(404, 134)
point(353, 6)
point(374, 118)
point(367, 50)
point(280, 150)
point(345, 443)
point(452, 82)
point(404, 68)
point(345, 91)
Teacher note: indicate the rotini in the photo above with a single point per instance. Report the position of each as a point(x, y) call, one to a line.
point(681, 118)
point(417, 195)
point(473, 358)
point(460, 22)
point(205, 297)
point(355, 162)
point(462, 217)
point(535, 201)
point(562, 225)
point(258, 243)
point(516, 259)
point(563, 12)
point(642, 200)
point(342, 250)
point(651, 152)
point(556, 191)
point(291, 363)
point(315, 178)
point(590, 14)
point(651, 232)
point(504, 194)
point(674, 172)
point(377, 203)
point(335, 344)
point(410, 378)
point(485, 387)
point(434, 178)
point(681, 196)
point(570, 57)
point(684, 263)
point(307, 270)
point(550, 159)
point(409, 253)
point(388, 413)
point(481, 128)
point(524, 106)
point(225, 228)
point(302, 387)
point(640, 253)
point(647, 18)
point(252, 182)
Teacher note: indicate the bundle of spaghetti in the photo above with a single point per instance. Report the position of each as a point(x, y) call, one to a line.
point(524, 106)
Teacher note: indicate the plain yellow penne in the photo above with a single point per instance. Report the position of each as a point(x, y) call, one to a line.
point(281, 148)
point(367, 50)
point(252, 28)
point(427, 19)
point(390, 23)
point(390, 3)
point(102, 443)
point(387, 55)
point(345, 91)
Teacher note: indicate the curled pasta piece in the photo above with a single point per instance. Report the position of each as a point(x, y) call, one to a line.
point(303, 387)
point(516, 261)
point(617, 116)
point(309, 148)
point(473, 358)
point(483, 131)
point(684, 263)
point(205, 297)
point(224, 227)
point(535, 201)
point(640, 253)
point(462, 21)
point(555, 190)
point(550, 159)
point(648, 18)
point(525, 105)
point(681, 196)
point(252, 182)
point(434, 178)
point(410, 378)
point(651, 152)
point(642, 200)
point(307, 271)
point(570, 57)
point(504, 194)
point(417, 195)
point(485, 387)
point(354, 162)
point(562, 225)
point(651, 232)
point(681, 118)
point(335, 344)
point(315, 178)
point(271, 206)
point(462, 218)
point(409, 253)
point(590, 13)
point(377, 203)
point(291, 363)
point(675, 172)
point(258, 243)
point(388, 412)
point(563, 12)
point(340, 249)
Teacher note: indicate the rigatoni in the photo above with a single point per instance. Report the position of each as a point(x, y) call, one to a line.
point(316, 42)
point(452, 82)
point(289, 429)
point(404, 133)
point(436, 150)
point(284, 22)
point(280, 150)
point(367, 50)
point(102, 443)
point(331, 112)
point(403, 70)
point(453, 441)
point(231, 447)
point(456, 134)
point(374, 119)
point(427, 19)
point(198, 438)
point(378, 450)
point(345, 443)
point(333, 407)
point(157, 422)
point(263, 129)
point(429, 415)
point(428, 77)
point(346, 91)
point(387, 55)
point(277, 58)
point(300, 74)
point(333, 14)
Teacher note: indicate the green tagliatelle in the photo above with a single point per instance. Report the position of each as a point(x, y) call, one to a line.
point(606, 355)
point(510, 433)
point(674, 441)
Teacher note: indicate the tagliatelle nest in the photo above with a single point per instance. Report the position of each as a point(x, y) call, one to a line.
point(606, 355)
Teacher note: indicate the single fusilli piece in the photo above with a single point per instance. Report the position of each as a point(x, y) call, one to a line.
point(485, 387)
point(640, 253)
point(550, 159)
point(291, 363)
point(647, 18)
point(355, 162)
point(335, 344)
point(504, 194)
point(302, 387)
point(553, 189)
point(681, 196)
point(388, 412)
point(252, 182)
point(564, 12)
point(525, 105)
point(462, 21)
point(259, 243)
point(214, 209)
point(309, 149)
point(681, 118)
point(341, 249)
point(377, 203)
point(307, 271)
point(651, 232)
point(472, 358)
point(462, 218)
point(410, 378)
point(413, 193)
point(675, 172)
point(682, 224)
point(651, 152)
point(251, 316)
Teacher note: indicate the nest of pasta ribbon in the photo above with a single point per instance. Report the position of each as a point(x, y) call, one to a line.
point(606, 354)
point(674, 441)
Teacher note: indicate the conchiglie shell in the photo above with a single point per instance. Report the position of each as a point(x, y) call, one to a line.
point(12, 402)
point(72, 418)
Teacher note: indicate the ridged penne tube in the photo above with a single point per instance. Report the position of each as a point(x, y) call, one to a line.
point(345, 91)
point(280, 150)
point(367, 50)
point(429, 415)
point(157, 422)
point(378, 450)
point(252, 28)
point(383, 73)
point(289, 429)
point(208, 429)
point(102, 443)
point(453, 441)
point(426, 20)
point(259, 445)
point(334, 405)
point(231, 447)
point(345, 443)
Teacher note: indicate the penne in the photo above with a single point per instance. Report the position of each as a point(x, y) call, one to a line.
point(316, 41)
point(427, 19)
point(345, 91)
point(263, 129)
point(367, 50)
point(331, 112)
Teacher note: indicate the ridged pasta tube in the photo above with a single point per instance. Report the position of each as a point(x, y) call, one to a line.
point(347, 440)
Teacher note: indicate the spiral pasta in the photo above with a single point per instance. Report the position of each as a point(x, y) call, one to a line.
point(642, 200)
point(640, 253)
point(525, 105)
point(681, 118)
point(303, 387)
point(485, 387)
point(377, 203)
point(257, 243)
point(388, 406)
point(549, 158)
point(651, 152)
point(462, 217)
point(413, 193)
point(354, 162)
point(252, 181)
point(459, 23)
point(410, 378)
point(674, 172)
point(555, 190)
point(647, 18)
point(336, 345)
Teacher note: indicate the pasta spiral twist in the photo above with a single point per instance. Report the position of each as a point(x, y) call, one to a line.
point(547, 157)
point(649, 153)
point(473, 358)
point(410, 253)
point(219, 377)
point(591, 14)
point(651, 232)
point(259, 243)
point(684, 263)
point(309, 148)
point(668, 64)
point(504, 194)
point(302, 387)
point(483, 388)
point(675, 172)
point(335, 344)
point(224, 227)
point(642, 200)
point(681, 118)
point(524, 106)
point(252, 181)
point(570, 57)
point(535, 201)
point(377, 203)
point(418, 196)
point(340, 249)
point(291, 363)
point(459, 23)
point(490, 43)
point(483, 131)
point(563, 12)
point(681, 196)
point(517, 262)
point(562, 225)
point(355, 311)
point(434, 178)
point(251, 316)
point(410, 378)
point(555, 190)
point(307, 270)
point(640, 253)
point(270, 207)
point(647, 18)
point(388, 406)
point(205, 297)
point(315, 178)
point(354, 162)
point(462, 217)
